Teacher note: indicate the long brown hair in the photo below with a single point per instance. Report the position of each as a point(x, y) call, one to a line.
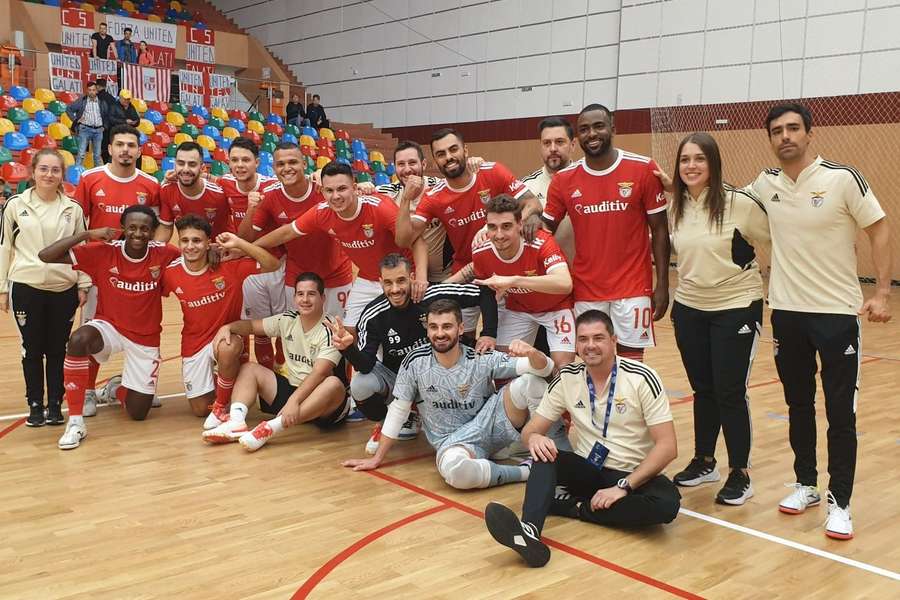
point(62, 163)
point(715, 197)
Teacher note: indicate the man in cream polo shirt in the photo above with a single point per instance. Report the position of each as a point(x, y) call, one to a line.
point(815, 209)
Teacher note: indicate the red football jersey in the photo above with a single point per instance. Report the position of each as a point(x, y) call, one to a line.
point(366, 238)
point(237, 200)
point(104, 197)
point(210, 204)
point(317, 252)
point(609, 212)
point(128, 290)
point(538, 257)
point(209, 298)
point(462, 211)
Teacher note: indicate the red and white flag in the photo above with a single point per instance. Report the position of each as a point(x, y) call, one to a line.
point(148, 83)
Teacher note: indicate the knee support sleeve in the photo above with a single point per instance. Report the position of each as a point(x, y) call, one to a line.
point(526, 391)
point(461, 471)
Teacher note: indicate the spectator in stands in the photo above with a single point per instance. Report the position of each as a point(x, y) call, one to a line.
point(89, 114)
point(145, 55)
point(294, 112)
point(110, 102)
point(315, 113)
point(102, 44)
point(126, 49)
point(124, 112)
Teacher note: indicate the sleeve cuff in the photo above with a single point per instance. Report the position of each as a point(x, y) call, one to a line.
point(548, 216)
point(420, 218)
point(658, 209)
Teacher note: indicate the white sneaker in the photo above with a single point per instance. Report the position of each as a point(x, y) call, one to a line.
point(71, 439)
point(108, 393)
point(838, 525)
point(410, 428)
point(156, 402)
point(800, 499)
point(90, 403)
point(216, 417)
point(374, 440)
point(256, 439)
point(227, 432)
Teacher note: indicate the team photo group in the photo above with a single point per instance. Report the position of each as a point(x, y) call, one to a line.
point(504, 317)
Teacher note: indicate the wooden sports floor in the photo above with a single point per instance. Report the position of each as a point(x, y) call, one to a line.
point(146, 510)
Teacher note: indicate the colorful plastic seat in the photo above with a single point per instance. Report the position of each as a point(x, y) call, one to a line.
point(229, 133)
point(154, 116)
point(5, 155)
point(377, 166)
point(225, 143)
point(219, 113)
point(322, 161)
point(153, 150)
point(14, 172)
point(256, 127)
point(326, 133)
point(207, 157)
point(274, 128)
point(6, 126)
point(391, 169)
point(264, 170)
point(237, 124)
point(292, 129)
point(190, 129)
point(252, 136)
point(57, 108)
point(171, 150)
point(363, 177)
point(289, 138)
point(237, 114)
point(143, 138)
point(270, 137)
point(200, 111)
point(175, 118)
point(179, 108)
point(255, 115)
point(73, 174)
point(181, 138)
point(274, 119)
point(17, 115)
point(32, 105)
point(68, 159)
point(146, 127)
point(306, 140)
point(196, 120)
point(58, 131)
point(341, 134)
point(311, 132)
point(266, 157)
point(167, 128)
point(218, 168)
point(148, 165)
point(167, 164)
point(7, 102)
point(70, 143)
point(139, 105)
point(161, 138)
point(30, 128)
point(360, 166)
point(19, 93)
point(210, 131)
point(45, 117)
point(343, 160)
point(216, 122)
point(65, 120)
point(206, 142)
point(375, 155)
point(381, 179)
point(42, 141)
point(44, 95)
point(267, 146)
point(220, 153)
point(308, 151)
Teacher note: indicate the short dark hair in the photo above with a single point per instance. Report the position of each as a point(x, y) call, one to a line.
point(141, 209)
point(504, 203)
point(444, 132)
point(127, 30)
point(786, 107)
point(285, 146)
point(594, 316)
point(101, 83)
point(596, 106)
point(91, 83)
point(335, 168)
point(394, 260)
point(190, 147)
point(316, 96)
point(557, 122)
point(310, 276)
point(444, 306)
point(194, 222)
point(246, 144)
point(406, 145)
point(124, 129)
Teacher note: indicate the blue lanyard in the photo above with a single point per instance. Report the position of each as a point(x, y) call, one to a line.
point(592, 394)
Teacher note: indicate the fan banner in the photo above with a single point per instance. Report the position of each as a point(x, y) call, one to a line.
point(65, 73)
point(77, 29)
point(161, 38)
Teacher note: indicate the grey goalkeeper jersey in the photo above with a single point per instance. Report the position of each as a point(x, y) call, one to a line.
point(449, 398)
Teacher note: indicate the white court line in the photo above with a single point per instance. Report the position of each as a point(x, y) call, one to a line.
point(65, 410)
point(795, 545)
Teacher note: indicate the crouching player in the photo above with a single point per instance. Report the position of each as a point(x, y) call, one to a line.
point(315, 389)
point(209, 298)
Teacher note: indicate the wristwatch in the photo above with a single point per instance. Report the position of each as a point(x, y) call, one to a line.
point(623, 484)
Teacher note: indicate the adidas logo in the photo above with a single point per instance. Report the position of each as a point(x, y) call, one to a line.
point(179, 291)
point(431, 388)
point(283, 216)
point(850, 350)
point(576, 193)
point(775, 198)
point(114, 270)
point(744, 329)
point(100, 193)
point(579, 404)
point(391, 331)
point(176, 208)
point(449, 210)
point(24, 213)
point(645, 335)
point(565, 340)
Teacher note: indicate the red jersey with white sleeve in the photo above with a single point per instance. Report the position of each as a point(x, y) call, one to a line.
point(609, 212)
point(104, 197)
point(237, 200)
point(128, 290)
point(210, 204)
point(535, 258)
point(318, 251)
point(366, 237)
point(209, 298)
point(462, 210)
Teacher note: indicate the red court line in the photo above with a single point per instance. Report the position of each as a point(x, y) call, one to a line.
point(323, 571)
point(15, 424)
point(550, 542)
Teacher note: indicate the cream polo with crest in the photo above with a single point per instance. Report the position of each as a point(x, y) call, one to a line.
point(814, 223)
point(538, 183)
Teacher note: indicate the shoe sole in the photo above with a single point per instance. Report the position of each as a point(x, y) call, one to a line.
point(748, 493)
point(224, 438)
point(838, 536)
point(71, 446)
point(794, 511)
point(407, 436)
point(503, 525)
point(27, 424)
point(710, 478)
point(56, 423)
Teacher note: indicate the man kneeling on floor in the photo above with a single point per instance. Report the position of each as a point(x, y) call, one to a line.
point(621, 447)
point(315, 389)
point(463, 418)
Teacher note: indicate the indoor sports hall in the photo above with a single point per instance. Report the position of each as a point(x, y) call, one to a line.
point(145, 509)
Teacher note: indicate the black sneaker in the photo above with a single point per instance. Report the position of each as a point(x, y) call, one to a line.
point(698, 471)
point(737, 489)
point(564, 504)
point(54, 414)
point(36, 416)
point(507, 529)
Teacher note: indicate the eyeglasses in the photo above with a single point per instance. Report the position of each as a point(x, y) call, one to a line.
point(43, 170)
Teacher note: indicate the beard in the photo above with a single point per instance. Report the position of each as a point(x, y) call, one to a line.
point(604, 147)
point(453, 172)
point(445, 346)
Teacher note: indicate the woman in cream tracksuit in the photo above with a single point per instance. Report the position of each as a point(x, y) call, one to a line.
point(42, 297)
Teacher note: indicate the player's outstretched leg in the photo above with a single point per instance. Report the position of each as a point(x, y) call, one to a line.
point(524, 538)
point(86, 340)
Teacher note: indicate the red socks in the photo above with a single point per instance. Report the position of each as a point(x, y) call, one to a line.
point(262, 346)
point(76, 373)
point(93, 369)
point(223, 392)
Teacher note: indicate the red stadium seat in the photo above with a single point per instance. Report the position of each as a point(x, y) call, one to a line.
point(167, 128)
point(252, 135)
point(238, 114)
point(197, 120)
point(162, 138)
point(275, 128)
point(154, 150)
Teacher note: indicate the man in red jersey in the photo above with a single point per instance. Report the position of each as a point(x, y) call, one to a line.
point(318, 252)
point(364, 226)
point(191, 194)
point(209, 299)
point(127, 273)
point(612, 197)
point(458, 202)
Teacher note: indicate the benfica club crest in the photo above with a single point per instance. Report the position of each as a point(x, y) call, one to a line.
point(141, 197)
point(817, 199)
point(625, 188)
point(154, 271)
point(368, 230)
point(219, 282)
point(485, 196)
point(463, 389)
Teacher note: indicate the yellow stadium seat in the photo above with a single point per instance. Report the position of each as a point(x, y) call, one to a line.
point(44, 95)
point(206, 142)
point(307, 140)
point(326, 133)
point(230, 133)
point(65, 120)
point(375, 155)
point(88, 162)
point(88, 7)
point(322, 161)
point(256, 126)
point(32, 105)
point(154, 19)
point(58, 131)
point(139, 105)
point(6, 126)
point(176, 5)
point(148, 165)
point(180, 138)
point(395, 179)
point(68, 159)
point(128, 5)
point(175, 118)
point(146, 127)
point(220, 113)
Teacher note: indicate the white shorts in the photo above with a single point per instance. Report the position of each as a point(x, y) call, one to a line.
point(198, 372)
point(515, 325)
point(362, 292)
point(470, 318)
point(264, 294)
point(632, 319)
point(141, 371)
point(335, 299)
